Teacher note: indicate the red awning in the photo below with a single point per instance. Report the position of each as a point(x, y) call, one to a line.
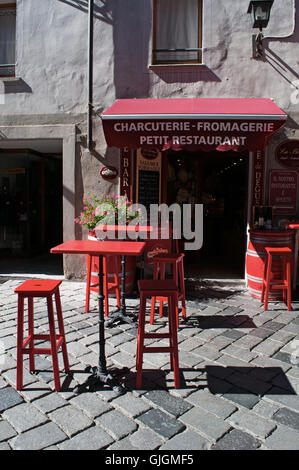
point(192, 123)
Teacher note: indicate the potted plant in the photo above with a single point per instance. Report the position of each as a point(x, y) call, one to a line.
point(109, 209)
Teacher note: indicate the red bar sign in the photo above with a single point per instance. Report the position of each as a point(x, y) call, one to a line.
point(126, 156)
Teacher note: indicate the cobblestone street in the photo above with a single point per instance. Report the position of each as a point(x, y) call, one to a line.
point(239, 379)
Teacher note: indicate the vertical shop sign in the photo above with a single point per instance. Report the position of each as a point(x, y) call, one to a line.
point(258, 177)
point(126, 173)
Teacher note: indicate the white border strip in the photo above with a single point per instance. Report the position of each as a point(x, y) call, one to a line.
point(276, 117)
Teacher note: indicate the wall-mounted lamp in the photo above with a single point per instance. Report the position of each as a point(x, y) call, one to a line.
point(260, 15)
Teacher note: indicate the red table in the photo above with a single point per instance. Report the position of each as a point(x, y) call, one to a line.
point(101, 249)
point(124, 232)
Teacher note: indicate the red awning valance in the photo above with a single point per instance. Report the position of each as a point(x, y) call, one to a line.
point(192, 123)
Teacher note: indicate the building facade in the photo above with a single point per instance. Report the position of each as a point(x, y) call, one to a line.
point(60, 72)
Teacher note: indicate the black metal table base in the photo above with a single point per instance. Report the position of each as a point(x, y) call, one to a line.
point(100, 376)
point(98, 380)
point(120, 316)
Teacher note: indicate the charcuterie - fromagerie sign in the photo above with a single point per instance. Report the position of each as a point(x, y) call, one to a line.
point(202, 134)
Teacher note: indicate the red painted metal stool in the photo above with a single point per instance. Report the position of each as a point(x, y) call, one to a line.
point(108, 286)
point(285, 283)
point(166, 289)
point(176, 260)
point(40, 288)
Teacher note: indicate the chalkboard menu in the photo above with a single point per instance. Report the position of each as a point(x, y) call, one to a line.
point(148, 179)
point(148, 188)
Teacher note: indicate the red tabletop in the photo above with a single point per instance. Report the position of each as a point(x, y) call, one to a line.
point(94, 248)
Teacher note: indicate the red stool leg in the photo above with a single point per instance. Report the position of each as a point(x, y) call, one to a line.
point(175, 275)
point(162, 276)
point(105, 278)
point(116, 280)
point(20, 339)
point(268, 278)
point(170, 306)
point(182, 287)
point(153, 302)
point(174, 342)
point(53, 343)
point(61, 331)
point(264, 278)
point(284, 279)
point(88, 277)
point(31, 333)
point(289, 284)
point(140, 340)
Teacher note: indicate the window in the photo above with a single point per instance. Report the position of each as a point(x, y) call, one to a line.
point(177, 31)
point(7, 39)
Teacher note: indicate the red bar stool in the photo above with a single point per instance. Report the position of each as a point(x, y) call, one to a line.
point(285, 283)
point(108, 286)
point(47, 289)
point(176, 260)
point(167, 289)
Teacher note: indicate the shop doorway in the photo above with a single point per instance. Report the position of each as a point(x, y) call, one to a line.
point(30, 211)
point(218, 180)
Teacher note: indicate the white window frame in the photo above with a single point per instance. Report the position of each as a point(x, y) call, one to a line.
point(199, 60)
point(8, 70)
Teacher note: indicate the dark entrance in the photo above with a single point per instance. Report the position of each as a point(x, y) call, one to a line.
point(218, 180)
point(30, 209)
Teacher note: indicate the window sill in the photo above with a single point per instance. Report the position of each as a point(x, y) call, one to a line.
point(176, 67)
point(11, 80)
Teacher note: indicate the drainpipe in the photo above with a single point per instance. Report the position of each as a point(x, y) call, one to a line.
point(90, 73)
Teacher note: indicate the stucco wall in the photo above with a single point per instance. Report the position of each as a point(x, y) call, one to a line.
point(51, 46)
point(52, 56)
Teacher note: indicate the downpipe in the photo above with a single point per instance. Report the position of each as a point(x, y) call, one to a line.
point(90, 74)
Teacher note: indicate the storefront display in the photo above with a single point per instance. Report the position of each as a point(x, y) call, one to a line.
point(211, 152)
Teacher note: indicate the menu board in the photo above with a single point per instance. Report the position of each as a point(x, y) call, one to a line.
point(148, 178)
point(283, 190)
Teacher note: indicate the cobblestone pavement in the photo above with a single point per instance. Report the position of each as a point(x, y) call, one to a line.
point(239, 379)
